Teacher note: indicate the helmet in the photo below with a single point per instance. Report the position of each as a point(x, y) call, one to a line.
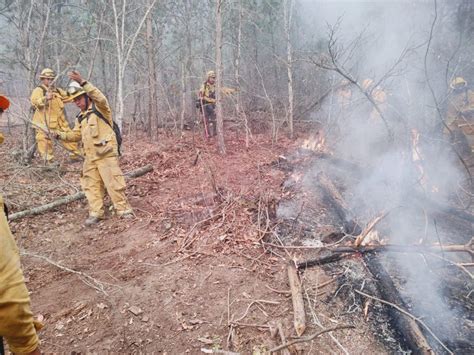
point(458, 83)
point(4, 103)
point(47, 74)
point(367, 84)
point(211, 74)
point(75, 90)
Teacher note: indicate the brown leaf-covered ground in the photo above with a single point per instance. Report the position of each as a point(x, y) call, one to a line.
point(189, 272)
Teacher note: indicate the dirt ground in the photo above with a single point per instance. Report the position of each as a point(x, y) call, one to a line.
point(189, 274)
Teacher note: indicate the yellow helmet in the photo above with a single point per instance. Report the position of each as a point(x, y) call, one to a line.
point(211, 74)
point(367, 84)
point(47, 74)
point(457, 83)
point(75, 90)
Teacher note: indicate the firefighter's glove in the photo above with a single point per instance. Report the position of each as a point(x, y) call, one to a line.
point(59, 135)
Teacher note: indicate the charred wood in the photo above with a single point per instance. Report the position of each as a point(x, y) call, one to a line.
point(420, 198)
point(333, 197)
point(319, 261)
point(408, 330)
point(337, 253)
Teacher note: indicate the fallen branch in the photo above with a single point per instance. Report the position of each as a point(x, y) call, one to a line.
point(360, 238)
point(88, 280)
point(68, 199)
point(281, 332)
point(310, 337)
point(454, 248)
point(337, 253)
point(299, 315)
point(426, 348)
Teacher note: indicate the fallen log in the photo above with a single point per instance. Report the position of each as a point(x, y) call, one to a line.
point(409, 331)
point(68, 199)
point(299, 315)
point(453, 248)
point(333, 197)
point(337, 253)
point(414, 195)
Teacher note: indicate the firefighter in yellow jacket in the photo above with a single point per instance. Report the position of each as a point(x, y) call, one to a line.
point(379, 96)
point(16, 320)
point(48, 103)
point(460, 113)
point(207, 96)
point(101, 169)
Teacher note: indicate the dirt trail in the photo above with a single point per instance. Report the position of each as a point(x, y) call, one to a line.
point(188, 273)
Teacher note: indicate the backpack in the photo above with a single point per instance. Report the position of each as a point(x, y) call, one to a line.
point(114, 126)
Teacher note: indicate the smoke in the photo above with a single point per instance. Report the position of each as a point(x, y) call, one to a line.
point(406, 159)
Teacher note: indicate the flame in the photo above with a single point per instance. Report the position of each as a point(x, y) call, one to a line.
point(315, 142)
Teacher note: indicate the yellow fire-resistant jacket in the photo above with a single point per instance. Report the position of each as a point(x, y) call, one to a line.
point(460, 112)
point(16, 319)
point(97, 136)
point(207, 93)
point(49, 113)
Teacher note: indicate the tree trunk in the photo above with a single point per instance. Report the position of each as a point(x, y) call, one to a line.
point(152, 107)
point(288, 13)
point(219, 111)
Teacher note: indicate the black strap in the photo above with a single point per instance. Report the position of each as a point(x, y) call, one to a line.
point(96, 112)
point(100, 115)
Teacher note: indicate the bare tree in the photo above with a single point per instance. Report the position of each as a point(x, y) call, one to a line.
point(219, 112)
point(124, 44)
point(152, 97)
point(288, 14)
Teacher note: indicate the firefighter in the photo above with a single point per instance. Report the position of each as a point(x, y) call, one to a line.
point(101, 169)
point(207, 97)
point(344, 98)
point(378, 95)
point(460, 114)
point(16, 320)
point(48, 103)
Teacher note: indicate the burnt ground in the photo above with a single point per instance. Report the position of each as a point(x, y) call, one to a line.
point(190, 274)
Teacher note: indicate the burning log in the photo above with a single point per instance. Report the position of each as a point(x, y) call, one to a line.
point(299, 314)
point(419, 198)
point(409, 330)
point(335, 199)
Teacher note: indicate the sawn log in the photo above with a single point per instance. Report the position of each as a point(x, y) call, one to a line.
point(299, 315)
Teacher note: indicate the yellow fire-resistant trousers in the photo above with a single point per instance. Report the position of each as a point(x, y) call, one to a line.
point(98, 176)
point(45, 146)
point(16, 320)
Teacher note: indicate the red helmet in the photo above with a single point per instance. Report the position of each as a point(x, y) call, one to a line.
point(4, 103)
